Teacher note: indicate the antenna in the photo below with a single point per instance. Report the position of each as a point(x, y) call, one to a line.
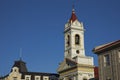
point(20, 54)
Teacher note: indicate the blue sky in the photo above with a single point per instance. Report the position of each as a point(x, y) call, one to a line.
point(37, 27)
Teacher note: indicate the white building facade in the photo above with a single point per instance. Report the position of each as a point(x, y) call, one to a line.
point(76, 65)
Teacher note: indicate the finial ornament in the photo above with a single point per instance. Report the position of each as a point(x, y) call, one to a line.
point(73, 16)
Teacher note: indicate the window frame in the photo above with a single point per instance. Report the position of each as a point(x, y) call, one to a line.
point(27, 77)
point(45, 77)
point(37, 77)
point(107, 60)
point(77, 39)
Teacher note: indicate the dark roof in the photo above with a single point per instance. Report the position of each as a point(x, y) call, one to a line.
point(106, 47)
point(21, 65)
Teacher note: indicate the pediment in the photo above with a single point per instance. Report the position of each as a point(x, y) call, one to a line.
point(67, 63)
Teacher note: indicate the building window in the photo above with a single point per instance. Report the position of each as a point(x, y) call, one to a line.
point(37, 77)
point(119, 55)
point(107, 60)
point(45, 78)
point(15, 70)
point(108, 78)
point(68, 41)
point(77, 39)
point(14, 78)
point(77, 51)
point(27, 77)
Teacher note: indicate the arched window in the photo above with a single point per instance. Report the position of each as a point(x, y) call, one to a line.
point(77, 39)
point(68, 41)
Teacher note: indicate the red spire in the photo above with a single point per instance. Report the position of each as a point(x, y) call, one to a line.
point(73, 16)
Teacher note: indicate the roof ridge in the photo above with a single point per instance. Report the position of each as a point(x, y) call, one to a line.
point(107, 45)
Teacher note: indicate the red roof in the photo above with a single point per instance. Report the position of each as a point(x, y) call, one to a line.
point(73, 16)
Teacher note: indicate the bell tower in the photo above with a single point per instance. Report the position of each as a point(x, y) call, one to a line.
point(74, 37)
point(76, 65)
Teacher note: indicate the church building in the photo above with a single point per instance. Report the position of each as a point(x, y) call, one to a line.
point(76, 65)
